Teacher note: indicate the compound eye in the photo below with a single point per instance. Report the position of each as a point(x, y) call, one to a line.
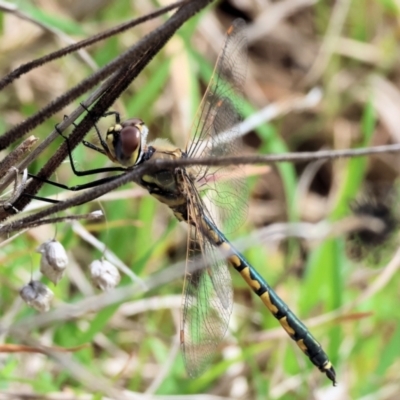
point(129, 140)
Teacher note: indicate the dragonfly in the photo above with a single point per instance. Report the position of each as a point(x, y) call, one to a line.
point(207, 298)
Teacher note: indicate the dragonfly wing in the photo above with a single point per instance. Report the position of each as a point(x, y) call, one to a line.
point(225, 187)
point(216, 133)
point(206, 303)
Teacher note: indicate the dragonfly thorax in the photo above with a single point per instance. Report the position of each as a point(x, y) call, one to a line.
point(167, 185)
point(126, 142)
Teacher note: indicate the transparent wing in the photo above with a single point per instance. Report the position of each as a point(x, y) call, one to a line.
point(215, 131)
point(207, 297)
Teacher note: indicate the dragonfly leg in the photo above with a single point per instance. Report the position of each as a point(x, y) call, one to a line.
point(93, 147)
point(76, 188)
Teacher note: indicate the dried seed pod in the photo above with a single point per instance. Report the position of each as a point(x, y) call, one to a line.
point(37, 295)
point(104, 274)
point(54, 260)
point(97, 214)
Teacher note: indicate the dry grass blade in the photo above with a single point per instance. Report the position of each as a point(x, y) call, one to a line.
point(15, 156)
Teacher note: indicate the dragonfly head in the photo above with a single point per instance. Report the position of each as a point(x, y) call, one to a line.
point(126, 142)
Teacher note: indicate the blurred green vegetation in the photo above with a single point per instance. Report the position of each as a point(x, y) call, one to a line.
point(314, 279)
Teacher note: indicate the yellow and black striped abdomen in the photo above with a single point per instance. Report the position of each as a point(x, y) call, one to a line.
point(278, 308)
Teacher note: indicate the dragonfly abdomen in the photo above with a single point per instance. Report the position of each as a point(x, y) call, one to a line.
point(278, 308)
